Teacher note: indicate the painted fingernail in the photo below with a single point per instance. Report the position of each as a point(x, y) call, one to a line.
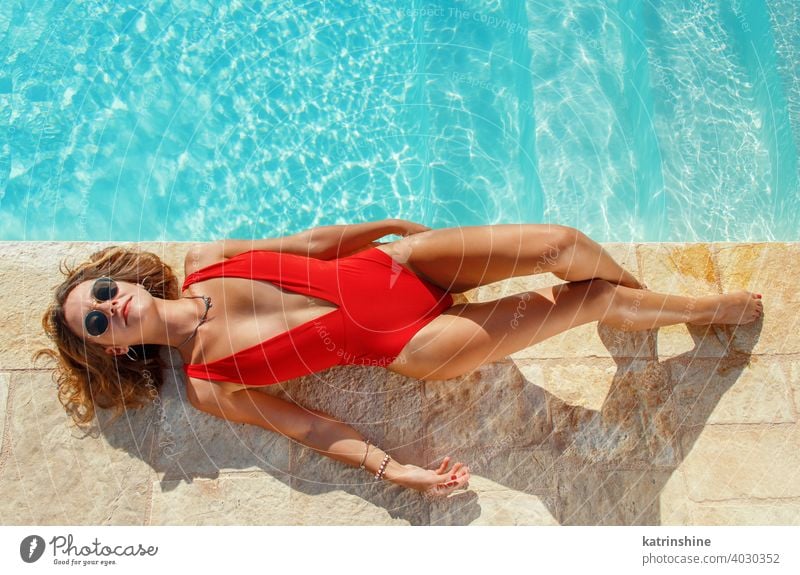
point(452, 477)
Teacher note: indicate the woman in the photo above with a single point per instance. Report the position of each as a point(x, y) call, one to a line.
point(253, 313)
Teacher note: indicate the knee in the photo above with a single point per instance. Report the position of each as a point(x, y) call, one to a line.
point(566, 240)
point(602, 296)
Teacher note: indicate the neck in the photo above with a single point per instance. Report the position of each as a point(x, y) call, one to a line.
point(179, 319)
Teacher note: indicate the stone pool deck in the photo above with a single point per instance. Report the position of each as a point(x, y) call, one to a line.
point(685, 425)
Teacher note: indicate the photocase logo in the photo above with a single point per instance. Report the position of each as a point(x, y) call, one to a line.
point(31, 548)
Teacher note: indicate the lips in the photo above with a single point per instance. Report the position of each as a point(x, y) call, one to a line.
point(126, 308)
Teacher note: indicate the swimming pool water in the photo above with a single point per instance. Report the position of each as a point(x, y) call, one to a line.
point(633, 121)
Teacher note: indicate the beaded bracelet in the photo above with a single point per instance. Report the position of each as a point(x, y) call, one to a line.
point(362, 466)
point(379, 474)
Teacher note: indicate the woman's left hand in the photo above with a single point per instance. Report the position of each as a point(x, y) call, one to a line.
point(405, 228)
point(438, 482)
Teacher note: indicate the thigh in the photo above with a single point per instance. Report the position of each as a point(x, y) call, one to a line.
point(462, 258)
point(467, 336)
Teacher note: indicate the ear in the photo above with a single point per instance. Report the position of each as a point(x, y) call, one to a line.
point(117, 350)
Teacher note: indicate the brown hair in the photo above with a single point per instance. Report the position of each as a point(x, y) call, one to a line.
point(87, 377)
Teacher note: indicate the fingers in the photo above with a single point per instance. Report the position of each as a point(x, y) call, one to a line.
point(456, 477)
point(447, 485)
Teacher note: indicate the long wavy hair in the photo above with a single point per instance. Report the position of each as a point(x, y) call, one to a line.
point(86, 376)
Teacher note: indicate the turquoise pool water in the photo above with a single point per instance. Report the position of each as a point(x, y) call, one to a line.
point(634, 121)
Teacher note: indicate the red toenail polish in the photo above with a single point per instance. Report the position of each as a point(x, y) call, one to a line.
point(453, 477)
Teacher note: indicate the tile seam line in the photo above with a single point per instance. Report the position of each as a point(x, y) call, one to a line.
point(752, 499)
point(5, 441)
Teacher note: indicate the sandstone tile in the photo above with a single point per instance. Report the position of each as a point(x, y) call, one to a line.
point(768, 268)
point(687, 341)
point(403, 431)
point(530, 470)
point(679, 268)
point(537, 422)
point(590, 494)
point(5, 378)
point(509, 486)
point(505, 507)
point(732, 391)
point(355, 395)
point(537, 426)
point(580, 341)
point(230, 499)
point(752, 512)
point(635, 423)
point(580, 382)
point(741, 462)
point(474, 411)
point(793, 366)
point(774, 333)
point(55, 474)
point(489, 503)
point(193, 444)
point(676, 507)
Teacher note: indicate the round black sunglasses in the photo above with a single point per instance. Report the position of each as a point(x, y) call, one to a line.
point(96, 322)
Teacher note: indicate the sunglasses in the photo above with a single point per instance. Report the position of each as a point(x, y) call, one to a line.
point(96, 322)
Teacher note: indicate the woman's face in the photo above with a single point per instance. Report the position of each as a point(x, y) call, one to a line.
point(126, 314)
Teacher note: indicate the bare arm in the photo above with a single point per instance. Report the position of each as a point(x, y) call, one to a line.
point(323, 242)
point(317, 431)
point(299, 243)
point(338, 241)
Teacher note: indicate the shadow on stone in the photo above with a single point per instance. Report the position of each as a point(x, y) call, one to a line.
point(587, 466)
point(566, 463)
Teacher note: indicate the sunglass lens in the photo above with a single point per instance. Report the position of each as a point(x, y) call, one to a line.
point(104, 289)
point(96, 323)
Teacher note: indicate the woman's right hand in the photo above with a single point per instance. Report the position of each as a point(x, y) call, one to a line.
point(438, 482)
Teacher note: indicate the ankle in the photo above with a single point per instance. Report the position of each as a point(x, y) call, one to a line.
point(699, 310)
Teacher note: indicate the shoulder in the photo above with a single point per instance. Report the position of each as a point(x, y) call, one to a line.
point(201, 255)
point(203, 392)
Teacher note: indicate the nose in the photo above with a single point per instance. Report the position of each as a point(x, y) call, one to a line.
point(110, 306)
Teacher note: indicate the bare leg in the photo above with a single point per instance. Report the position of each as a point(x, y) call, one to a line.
point(469, 335)
point(462, 258)
point(588, 260)
point(634, 310)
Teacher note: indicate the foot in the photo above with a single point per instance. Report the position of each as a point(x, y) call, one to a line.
point(733, 308)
